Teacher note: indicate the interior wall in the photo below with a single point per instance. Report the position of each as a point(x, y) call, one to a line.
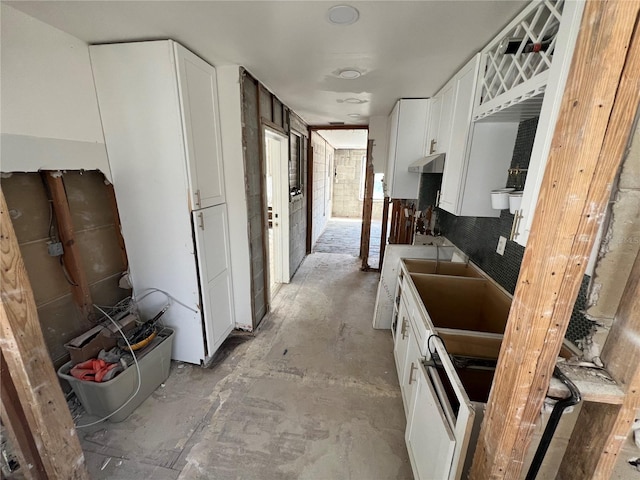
point(252, 140)
point(323, 154)
point(260, 107)
point(94, 225)
point(49, 115)
point(347, 182)
point(230, 103)
point(478, 238)
point(298, 204)
point(379, 133)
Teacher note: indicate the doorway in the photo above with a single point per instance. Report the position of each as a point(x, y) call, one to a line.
point(277, 188)
point(343, 153)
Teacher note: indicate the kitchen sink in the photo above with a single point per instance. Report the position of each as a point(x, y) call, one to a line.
point(463, 303)
point(442, 268)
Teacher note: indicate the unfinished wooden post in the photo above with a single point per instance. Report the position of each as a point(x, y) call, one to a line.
point(596, 115)
point(71, 257)
point(25, 357)
point(367, 207)
point(602, 429)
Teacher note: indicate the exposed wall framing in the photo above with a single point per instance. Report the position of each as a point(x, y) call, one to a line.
point(596, 116)
point(80, 213)
point(261, 108)
point(33, 406)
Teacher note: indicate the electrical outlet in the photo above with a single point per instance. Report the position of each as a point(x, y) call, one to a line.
point(502, 242)
point(55, 249)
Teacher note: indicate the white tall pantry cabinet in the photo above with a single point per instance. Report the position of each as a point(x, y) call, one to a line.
point(159, 109)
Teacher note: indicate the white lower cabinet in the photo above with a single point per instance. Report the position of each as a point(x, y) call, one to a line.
point(212, 240)
point(430, 441)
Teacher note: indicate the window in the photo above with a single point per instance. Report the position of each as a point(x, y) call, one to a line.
point(296, 169)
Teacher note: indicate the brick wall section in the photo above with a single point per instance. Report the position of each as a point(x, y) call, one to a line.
point(347, 181)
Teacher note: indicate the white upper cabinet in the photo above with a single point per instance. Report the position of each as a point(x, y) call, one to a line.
point(407, 137)
point(463, 86)
point(477, 155)
point(201, 126)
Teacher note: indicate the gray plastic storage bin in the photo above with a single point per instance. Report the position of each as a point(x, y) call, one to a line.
point(102, 399)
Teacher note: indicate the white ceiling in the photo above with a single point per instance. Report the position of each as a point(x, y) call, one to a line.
point(345, 139)
point(403, 48)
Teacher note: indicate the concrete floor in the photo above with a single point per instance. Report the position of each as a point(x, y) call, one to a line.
point(314, 395)
point(342, 235)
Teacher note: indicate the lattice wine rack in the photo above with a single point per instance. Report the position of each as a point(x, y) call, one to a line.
point(517, 61)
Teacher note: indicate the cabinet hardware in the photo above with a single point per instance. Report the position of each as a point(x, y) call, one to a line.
point(198, 199)
point(413, 367)
point(403, 331)
point(432, 146)
point(516, 225)
point(201, 222)
point(438, 198)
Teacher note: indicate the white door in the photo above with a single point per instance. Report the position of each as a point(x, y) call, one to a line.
point(277, 156)
point(430, 440)
point(212, 241)
point(201, 127)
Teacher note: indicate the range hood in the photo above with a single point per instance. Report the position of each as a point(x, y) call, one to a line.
point(429, 164)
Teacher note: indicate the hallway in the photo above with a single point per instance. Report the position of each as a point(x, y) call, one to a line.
point(314, 395)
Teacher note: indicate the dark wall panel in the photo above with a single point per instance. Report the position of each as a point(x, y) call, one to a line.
point(478, 237)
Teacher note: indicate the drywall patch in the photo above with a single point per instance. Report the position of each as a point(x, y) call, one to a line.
point(24, 153)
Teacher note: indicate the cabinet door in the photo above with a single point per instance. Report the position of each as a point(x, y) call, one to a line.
point(201, 127)
point(410, 372)
point(430, 440)
point(212, 241)
point(446, 113)
point(401, 344)
point(454, 167)
point(434, 126)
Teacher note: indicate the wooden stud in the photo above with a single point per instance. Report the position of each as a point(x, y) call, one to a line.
point(595, 119)
point(367, 207)
point(338, 127)
point(15, 421)
point(602, 429)
point(71, 257)
point(309, 195)
point(26, 359)
point(383, 233)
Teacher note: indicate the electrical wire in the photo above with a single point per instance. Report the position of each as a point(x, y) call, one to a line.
point(135, 360)
point(169, 297)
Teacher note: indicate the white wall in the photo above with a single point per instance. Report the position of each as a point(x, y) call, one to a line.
point(231, 132)
point(49, 111)
point(322, 184)
point(379, 133)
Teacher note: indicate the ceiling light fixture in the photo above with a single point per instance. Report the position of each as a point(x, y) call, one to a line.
point(349, 74)
point(354, 101)
point(342, 15)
